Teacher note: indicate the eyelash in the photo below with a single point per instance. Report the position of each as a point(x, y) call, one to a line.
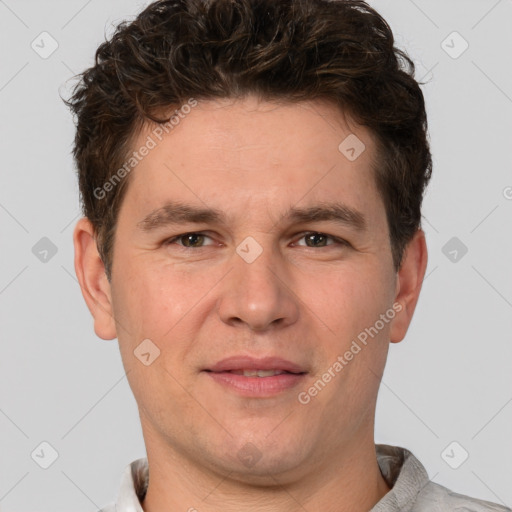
point(336, 240)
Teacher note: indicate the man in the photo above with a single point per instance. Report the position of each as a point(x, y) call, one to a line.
point(252, 175)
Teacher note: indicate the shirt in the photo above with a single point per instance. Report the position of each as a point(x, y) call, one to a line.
point(411, 489)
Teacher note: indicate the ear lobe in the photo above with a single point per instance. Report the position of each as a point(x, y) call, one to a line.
point(93, 281)
point(409, 282)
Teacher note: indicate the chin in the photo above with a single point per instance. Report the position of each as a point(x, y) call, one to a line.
point(260, 462)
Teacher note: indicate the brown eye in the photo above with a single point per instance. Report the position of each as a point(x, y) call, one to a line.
point(316, 239)
point(190, 240)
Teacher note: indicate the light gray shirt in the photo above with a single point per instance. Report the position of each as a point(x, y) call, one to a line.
point(411, 489)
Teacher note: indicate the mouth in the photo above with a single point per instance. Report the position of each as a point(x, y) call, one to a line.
point(245, 364)
point(258, 373)
point(256, 377)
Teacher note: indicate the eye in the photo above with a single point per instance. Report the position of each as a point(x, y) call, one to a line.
point(190, 240)
point(316, 239)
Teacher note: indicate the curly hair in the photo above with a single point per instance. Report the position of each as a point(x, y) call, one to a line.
point(342, 51)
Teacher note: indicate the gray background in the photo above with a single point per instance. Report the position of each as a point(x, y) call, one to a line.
point(450, 380)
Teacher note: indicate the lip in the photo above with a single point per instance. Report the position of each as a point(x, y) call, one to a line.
point(259, 387)
point(253, 363)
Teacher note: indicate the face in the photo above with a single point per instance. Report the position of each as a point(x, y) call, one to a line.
point(248, 241)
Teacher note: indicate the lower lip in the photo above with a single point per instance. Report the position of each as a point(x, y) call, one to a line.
point(257, 386)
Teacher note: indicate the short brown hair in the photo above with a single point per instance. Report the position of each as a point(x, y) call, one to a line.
point(287, 50)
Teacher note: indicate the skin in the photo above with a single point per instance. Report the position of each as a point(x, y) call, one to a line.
point(254, 160)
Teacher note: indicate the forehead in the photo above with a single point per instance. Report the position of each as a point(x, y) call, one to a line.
point(229, 153)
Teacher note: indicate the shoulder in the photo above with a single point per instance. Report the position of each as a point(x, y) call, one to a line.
point(435, 497)
point(412, 491)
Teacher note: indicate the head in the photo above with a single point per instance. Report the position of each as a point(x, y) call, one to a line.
point(292, 137)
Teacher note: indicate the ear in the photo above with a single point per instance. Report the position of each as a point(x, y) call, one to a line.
point(409, 280)
point(91, 275)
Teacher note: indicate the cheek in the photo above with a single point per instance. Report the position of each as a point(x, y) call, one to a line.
point(162, 302)
point(348, 300)
point(153, 306)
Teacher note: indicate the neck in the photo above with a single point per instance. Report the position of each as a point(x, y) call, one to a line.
point(351, 482)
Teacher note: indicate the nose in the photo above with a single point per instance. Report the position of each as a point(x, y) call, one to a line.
point(258, 295)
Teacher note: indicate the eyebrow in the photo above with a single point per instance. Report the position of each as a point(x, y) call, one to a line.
point(179, 213)
point(340, 213)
